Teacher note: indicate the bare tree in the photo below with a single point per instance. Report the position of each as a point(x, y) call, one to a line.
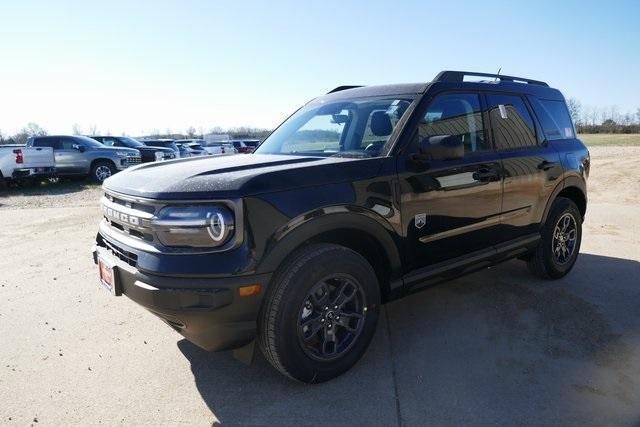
point(575, 108)
point(191, 132)
point(31, 129)
point(93, 129)
point(77, 130)
point(34, 129)
point(613, 114)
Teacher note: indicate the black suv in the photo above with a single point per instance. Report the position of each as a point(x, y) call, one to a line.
point(148, 153)
point(362, 196)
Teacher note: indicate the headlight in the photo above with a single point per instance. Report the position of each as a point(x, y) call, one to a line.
point(194, 226)
point(123, 153)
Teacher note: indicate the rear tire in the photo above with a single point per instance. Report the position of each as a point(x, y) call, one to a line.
point(102, 170)
point(320, 313)
point(557, 252)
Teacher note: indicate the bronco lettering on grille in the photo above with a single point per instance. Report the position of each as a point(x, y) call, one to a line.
point(119, 216)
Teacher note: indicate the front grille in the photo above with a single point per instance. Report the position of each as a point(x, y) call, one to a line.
point(133, 160)
point(126, 256)
point(129, 216)
point(131, 204)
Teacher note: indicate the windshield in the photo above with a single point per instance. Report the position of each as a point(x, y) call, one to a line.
point(348, 128)
point(130, 142)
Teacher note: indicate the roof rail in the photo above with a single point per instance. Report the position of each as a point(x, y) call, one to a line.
point(458, 76)
point(339, 88)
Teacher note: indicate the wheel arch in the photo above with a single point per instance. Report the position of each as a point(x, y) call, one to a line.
point(356, 231)
point(101, 160)
point(572, 188)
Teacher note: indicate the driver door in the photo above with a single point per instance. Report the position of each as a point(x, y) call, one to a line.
point(69, 158)
point(450, 207)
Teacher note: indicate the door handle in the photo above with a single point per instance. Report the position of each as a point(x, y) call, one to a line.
point(546, 165)
point(485, 174)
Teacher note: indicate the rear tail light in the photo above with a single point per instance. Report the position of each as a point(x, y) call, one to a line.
point(19, 157)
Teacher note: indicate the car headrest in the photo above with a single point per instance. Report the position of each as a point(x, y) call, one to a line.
point(381, 124)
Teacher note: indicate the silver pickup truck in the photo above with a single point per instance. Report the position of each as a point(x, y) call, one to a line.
point(18, 162)
point(83, 156)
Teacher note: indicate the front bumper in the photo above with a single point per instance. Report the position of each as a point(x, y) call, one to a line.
point(209, 312)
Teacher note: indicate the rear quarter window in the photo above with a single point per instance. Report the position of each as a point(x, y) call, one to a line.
point(554, 118)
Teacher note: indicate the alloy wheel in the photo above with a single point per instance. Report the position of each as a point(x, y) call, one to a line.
point(332, 317)
point(565, 234)
point(103, 172)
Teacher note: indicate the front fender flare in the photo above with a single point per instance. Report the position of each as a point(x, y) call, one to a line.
point(303, 228)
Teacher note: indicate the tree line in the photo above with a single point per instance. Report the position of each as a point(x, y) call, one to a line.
point(602, 119)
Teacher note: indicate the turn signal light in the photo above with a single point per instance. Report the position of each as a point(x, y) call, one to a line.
point(247, 291)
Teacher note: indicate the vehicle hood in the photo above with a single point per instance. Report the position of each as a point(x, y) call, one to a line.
point(114, 149)
point(233, 176)
point(151, 149)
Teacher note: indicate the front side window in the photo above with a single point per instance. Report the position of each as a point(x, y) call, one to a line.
point(69, 143)
point(458, 115)
point(348, 128)
point(512, 123)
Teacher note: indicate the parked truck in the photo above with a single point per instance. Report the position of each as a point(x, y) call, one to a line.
point(81, 156)
point(20, 163)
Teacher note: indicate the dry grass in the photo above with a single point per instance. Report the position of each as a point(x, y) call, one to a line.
point(610, 139)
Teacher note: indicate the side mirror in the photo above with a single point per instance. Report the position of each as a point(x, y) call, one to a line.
point(80, 148)
point(442, 147)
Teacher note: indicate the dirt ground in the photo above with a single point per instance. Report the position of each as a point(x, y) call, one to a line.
point(498, 346)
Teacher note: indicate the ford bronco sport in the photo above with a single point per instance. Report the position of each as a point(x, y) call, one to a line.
point(363, 195)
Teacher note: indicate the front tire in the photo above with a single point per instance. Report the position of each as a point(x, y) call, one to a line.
point(320, 313)
point(557, 252)
point(102, 170)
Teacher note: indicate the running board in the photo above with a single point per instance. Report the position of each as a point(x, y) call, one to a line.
point(470, 262)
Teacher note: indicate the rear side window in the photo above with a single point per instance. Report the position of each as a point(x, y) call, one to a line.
point(512, 123)
point(52, 142)
point(554, 118)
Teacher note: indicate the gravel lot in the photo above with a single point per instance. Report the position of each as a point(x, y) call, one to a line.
point(498, 346)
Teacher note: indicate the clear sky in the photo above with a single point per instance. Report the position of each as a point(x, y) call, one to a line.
point(136, 66)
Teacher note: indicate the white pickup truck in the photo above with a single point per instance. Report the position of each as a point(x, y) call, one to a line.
point(19, 162)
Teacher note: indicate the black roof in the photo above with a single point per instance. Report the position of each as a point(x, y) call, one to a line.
point(451, 80)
